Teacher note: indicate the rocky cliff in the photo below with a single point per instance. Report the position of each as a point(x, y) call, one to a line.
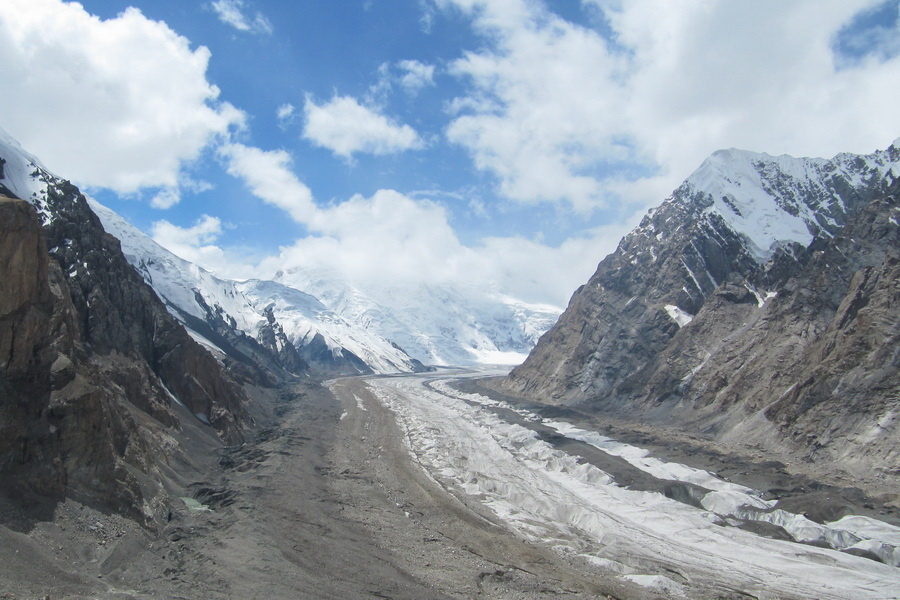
point(95, 375)
point(757, 304)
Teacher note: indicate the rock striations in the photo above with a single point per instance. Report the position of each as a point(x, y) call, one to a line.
point(758, 304)
point(96, 376)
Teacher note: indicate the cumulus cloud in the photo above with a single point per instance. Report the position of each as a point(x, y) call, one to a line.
point(391, 237)
point(416, 75)
point(268, 176)
point(195, 244)
point(231, 12)
point(562, 113)
point(166, 198)
point(346, 127)
point(286, 114)
point(120, 103)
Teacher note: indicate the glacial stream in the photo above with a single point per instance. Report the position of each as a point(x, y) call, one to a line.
point(673, 528)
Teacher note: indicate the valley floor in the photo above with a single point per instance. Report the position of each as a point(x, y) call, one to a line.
point(324, 504)
point(345, 496)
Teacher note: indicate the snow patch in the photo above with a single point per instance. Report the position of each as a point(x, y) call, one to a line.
point(498, 357)
point(681, 317)
point(771, 201)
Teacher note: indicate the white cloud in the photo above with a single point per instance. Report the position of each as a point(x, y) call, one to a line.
point(560, 113)
point(166, 198)
point(286, 114)
point(385, 238)
point(231, 12)
point(121, 103)
point(390, 237)
point(195, 244)
point(268, 175)
point(416, 75)
point(346, 127)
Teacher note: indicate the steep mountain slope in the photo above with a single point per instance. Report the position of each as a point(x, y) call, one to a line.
point(735, 308)
point(96, 375)
point(437, 324)
point(285, 324)
point(818, 365)
point(336, 328)
point(212, 309)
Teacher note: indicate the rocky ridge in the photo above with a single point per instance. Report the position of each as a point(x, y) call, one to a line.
point(757, 304)
point(248, 318)
point(97, 378)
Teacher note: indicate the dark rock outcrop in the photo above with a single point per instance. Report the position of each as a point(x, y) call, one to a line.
point(96, 377)
point(27, 354)
point(64, 427)
point(119, 314)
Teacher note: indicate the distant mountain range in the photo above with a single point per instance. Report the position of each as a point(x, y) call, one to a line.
point(332, 326)
point(760, 303)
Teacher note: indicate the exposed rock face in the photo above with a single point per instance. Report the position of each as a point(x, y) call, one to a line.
point(64, 430)
point(702, 317)
point(26, 352)
point(91, 362)
point(120, 315)
point(816, 368)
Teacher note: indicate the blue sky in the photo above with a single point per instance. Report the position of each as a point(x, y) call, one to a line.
point(503, 142)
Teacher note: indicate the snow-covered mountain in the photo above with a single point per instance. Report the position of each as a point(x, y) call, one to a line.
point(771, 201)
point(317, 318)
point(725, 221)
point(438, 324)
point(756, 303)
point(338, 328)
point(261, 309)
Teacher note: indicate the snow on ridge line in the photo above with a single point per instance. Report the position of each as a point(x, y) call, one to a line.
point(747, 190)
point(24, 175)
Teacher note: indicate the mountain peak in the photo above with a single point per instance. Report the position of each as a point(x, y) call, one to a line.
point(776, 200)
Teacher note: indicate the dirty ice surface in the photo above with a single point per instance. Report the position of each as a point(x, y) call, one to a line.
point(554, 498)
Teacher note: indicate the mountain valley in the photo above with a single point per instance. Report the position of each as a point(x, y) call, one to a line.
point(712, 416)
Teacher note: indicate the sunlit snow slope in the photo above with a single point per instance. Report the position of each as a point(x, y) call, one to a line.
point(437, 324)
point(304, 320)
